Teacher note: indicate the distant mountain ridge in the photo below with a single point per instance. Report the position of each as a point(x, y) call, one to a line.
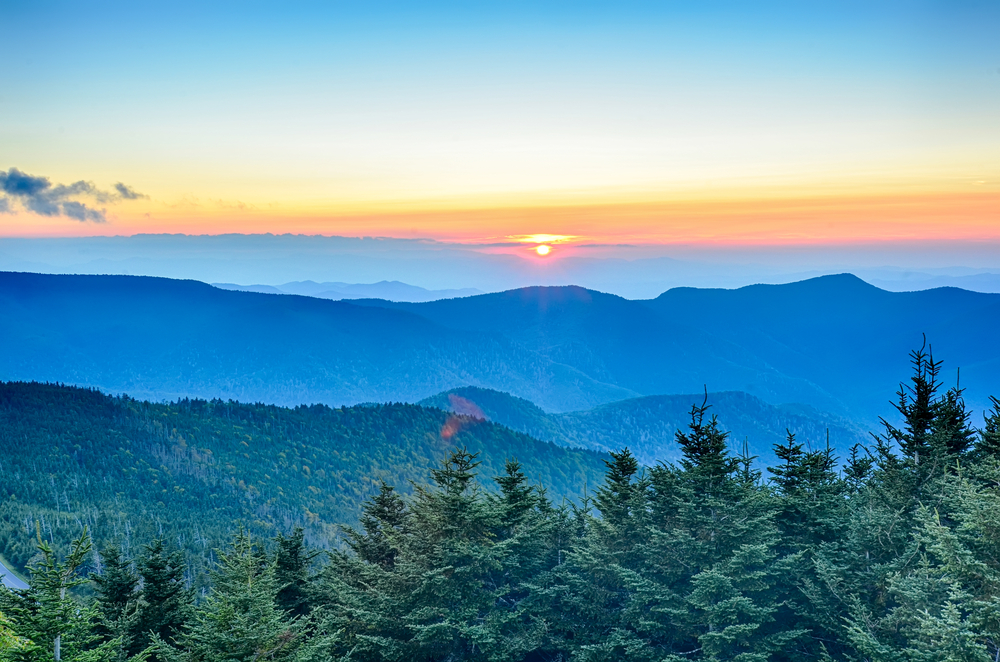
point(388, 290)
point(913, 281)
point(834, 343)
point(647, 425)
point(165, 339)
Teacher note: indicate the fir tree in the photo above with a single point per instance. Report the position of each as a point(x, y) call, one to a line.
point(790, 476)
point(383, 518)
point(117, 589)
point(49, 622)
point(936, 429)
point(917, 405)
point(452, 539)
point(952, 434)
point(934, 612)
point(616, 498)
point(165, 603)
point(858, 467)
point(735, 606)
point(601, 570)
point(436, 599)
point(988, 444)
point(240, 620)
point(291, 571)
point(704, 445)
point(809, 494)
point(698, 502)
point(746, 473)
point(518, 498)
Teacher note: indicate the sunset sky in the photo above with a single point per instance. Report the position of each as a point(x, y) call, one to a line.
point(642, 123)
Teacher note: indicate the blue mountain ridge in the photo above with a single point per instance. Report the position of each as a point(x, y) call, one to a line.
point(832, 343)
point(648, 425)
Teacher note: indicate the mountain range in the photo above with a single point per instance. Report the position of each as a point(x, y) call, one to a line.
point(388, 290)
point(906, 281)
point(648, 425)
point(834, 343)
point(635, 272)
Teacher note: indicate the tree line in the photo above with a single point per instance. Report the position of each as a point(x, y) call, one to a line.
point(892, 553)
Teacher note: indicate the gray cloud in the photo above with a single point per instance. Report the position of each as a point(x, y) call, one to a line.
point(129, 193)
point(16, 182)
point(38, 195)
point(82, 212)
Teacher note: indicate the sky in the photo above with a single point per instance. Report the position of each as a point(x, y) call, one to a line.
point(664, 124)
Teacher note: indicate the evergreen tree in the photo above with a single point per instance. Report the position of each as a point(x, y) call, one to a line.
point(934, 612)
point(936, 429)
point(452, 538)
point(165, 604)
point(716, 552)
point(603, 570)
point(528, 526)
point(988, 444)
point(436, 599)
point(809, 495)
point(623, 502)
point(518, 498)
point(790, 476)
point(746, 473)
point(704, 445)
point(10, 643)
point(291, 571)
point(117, 588)
point(952, 434)
point(698, 503)
point(916, 403)
point(240, 620)
point(858, 468)
point(49, 623)
point(563, 609)
point(809, 504)
point(615, 499)
point(734, 605)
point(531, 541)
point(383, 518)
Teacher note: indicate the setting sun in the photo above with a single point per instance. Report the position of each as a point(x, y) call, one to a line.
point(543, 249)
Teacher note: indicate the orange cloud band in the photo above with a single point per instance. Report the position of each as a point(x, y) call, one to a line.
point(787, 220)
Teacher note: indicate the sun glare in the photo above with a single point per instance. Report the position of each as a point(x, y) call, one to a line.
point(542, 238)
point(543, 249)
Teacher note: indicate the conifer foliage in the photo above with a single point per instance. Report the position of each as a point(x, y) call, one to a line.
point(892, 556)
point(47, 621)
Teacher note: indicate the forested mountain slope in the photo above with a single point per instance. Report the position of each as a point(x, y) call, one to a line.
point(192, 470)
point(648, 425)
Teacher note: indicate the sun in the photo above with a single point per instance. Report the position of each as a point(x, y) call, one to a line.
point(543, 249)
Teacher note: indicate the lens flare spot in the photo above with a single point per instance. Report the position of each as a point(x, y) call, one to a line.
point(543, 249)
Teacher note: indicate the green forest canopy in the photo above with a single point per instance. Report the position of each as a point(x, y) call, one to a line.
point(192, 471)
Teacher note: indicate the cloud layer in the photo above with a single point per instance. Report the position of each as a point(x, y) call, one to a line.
point(39, 196)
